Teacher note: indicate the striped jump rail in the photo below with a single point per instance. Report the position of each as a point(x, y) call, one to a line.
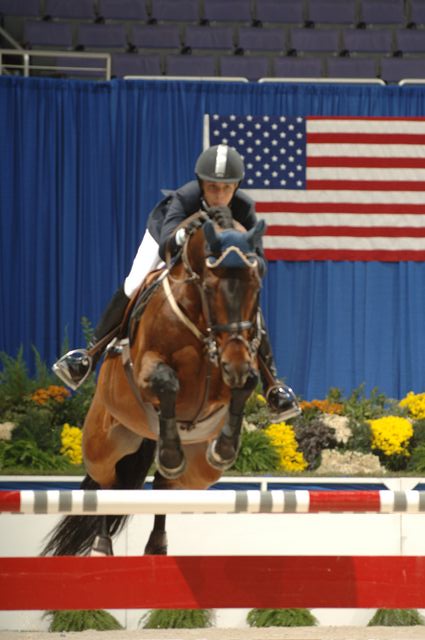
point(129, 502)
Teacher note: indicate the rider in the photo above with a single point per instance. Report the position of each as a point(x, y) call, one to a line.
point(219, 171)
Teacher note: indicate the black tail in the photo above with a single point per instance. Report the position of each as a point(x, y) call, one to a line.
point(74, 535)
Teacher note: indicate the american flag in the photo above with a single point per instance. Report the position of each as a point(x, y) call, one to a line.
point(332, 188)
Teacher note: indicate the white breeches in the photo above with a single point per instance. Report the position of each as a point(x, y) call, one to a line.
point(147, 259)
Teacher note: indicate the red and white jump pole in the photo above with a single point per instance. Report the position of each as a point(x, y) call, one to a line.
point(215, 581)
point(128, 502)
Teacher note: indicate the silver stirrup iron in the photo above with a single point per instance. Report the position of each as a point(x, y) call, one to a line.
point(61, 367)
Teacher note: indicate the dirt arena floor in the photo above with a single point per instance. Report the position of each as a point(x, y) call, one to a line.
point(299, 633)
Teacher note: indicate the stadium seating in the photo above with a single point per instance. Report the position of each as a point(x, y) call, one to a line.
point(279, 38)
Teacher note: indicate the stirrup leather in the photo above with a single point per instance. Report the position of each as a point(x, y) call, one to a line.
point(62, 370)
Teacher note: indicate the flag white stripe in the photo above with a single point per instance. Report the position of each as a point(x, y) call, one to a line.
point(343, 196)
point(353, 150)
point(344, 242)
point(361, 173)
point(366, 126)
point(344, 219)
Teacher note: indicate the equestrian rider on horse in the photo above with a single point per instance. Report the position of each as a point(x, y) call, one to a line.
point(219, 171)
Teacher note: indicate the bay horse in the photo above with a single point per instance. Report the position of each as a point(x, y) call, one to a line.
point(173, 389)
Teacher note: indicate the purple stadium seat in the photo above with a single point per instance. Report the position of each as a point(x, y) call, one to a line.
point(332, 12)
point(102, 36)
point(183, 65)
point(161, 36)
point(262, 39)
point(81, 9)
point(134, 64)
point(396, 69)
point(224, 11)
point(315, 40)
point(38, 33)
point(293, 67)
point(28, 8)
point(376, 12)
point(352, 68)
point(175, 10)
point(122, 9)
point(197, 37)
point(410, 40)
point(250, 67)
point(368, 40)
point(280, 11)
point(417, 12)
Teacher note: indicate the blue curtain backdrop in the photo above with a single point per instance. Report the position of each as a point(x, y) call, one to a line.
point(82, 164)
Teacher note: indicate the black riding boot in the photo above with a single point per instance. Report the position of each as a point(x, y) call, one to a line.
point(280, 398)
point(74, 367)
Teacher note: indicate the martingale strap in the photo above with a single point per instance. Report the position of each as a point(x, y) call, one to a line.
point(179, 313)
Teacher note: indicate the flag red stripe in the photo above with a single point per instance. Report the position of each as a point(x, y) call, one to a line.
point(389, 119)
point(343, 254)
point(338, 207)
point(365, 138)
point(365, 185)
point(355, 232)
point(380, 163)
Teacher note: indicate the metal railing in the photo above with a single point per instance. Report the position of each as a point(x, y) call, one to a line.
point(28, 65)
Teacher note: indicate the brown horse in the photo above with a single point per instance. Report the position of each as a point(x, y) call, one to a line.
point(174, 388)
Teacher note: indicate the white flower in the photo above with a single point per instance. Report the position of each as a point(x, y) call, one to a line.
point(349, 463)
point(6, 429)
point(340, 425)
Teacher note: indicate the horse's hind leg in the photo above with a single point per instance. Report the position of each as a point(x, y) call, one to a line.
point(222, 451)
point(169, 457)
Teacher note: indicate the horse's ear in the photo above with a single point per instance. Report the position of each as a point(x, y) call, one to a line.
point(254, 235)
point(212, 237)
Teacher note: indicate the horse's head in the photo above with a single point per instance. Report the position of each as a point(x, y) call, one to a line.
point(230, 270)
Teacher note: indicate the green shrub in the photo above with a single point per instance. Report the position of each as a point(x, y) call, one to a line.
point(177, 619)
point(360, 407)
point(281, 618)
point(25, 455)
point(39, 426)
point(256, 454)
point(396, 618)
point(69, 621)
point(417, 459)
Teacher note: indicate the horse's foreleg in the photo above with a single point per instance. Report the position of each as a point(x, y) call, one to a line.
point(157, 543)
point(222, 451)
point(169, 455)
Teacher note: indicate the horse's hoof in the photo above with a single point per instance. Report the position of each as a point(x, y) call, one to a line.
point(157, 544)
point(170, 462)
point(102, 546)
point(216, 460)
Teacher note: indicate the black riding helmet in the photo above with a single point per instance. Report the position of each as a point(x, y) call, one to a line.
point(220, 164)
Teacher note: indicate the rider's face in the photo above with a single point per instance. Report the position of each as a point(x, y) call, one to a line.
point(218, 194)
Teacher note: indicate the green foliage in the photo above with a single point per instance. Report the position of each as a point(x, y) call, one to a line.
point(38, 426)
point(417, 459)
point(361, 408)
point(177, 619)
point(312, 437)
point(361, 436)
point(396, 618)
point(15, 382)
point(69, 621)
point(281, 618)
point(256, 454)
point(26, 455)
point(256, 410)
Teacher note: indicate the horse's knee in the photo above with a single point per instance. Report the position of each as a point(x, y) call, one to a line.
point(163, 380)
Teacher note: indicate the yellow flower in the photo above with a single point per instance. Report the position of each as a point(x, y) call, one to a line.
point(71, 438)
point(415, 403)
point(283, 439)
point(391, 434)
point(261, 399)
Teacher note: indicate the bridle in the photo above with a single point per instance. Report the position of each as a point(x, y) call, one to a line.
point(209, 338)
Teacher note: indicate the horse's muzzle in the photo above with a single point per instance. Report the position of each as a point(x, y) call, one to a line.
point(235, 375)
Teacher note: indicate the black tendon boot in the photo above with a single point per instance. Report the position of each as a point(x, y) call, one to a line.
point(280, 398)
point(75, 366)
